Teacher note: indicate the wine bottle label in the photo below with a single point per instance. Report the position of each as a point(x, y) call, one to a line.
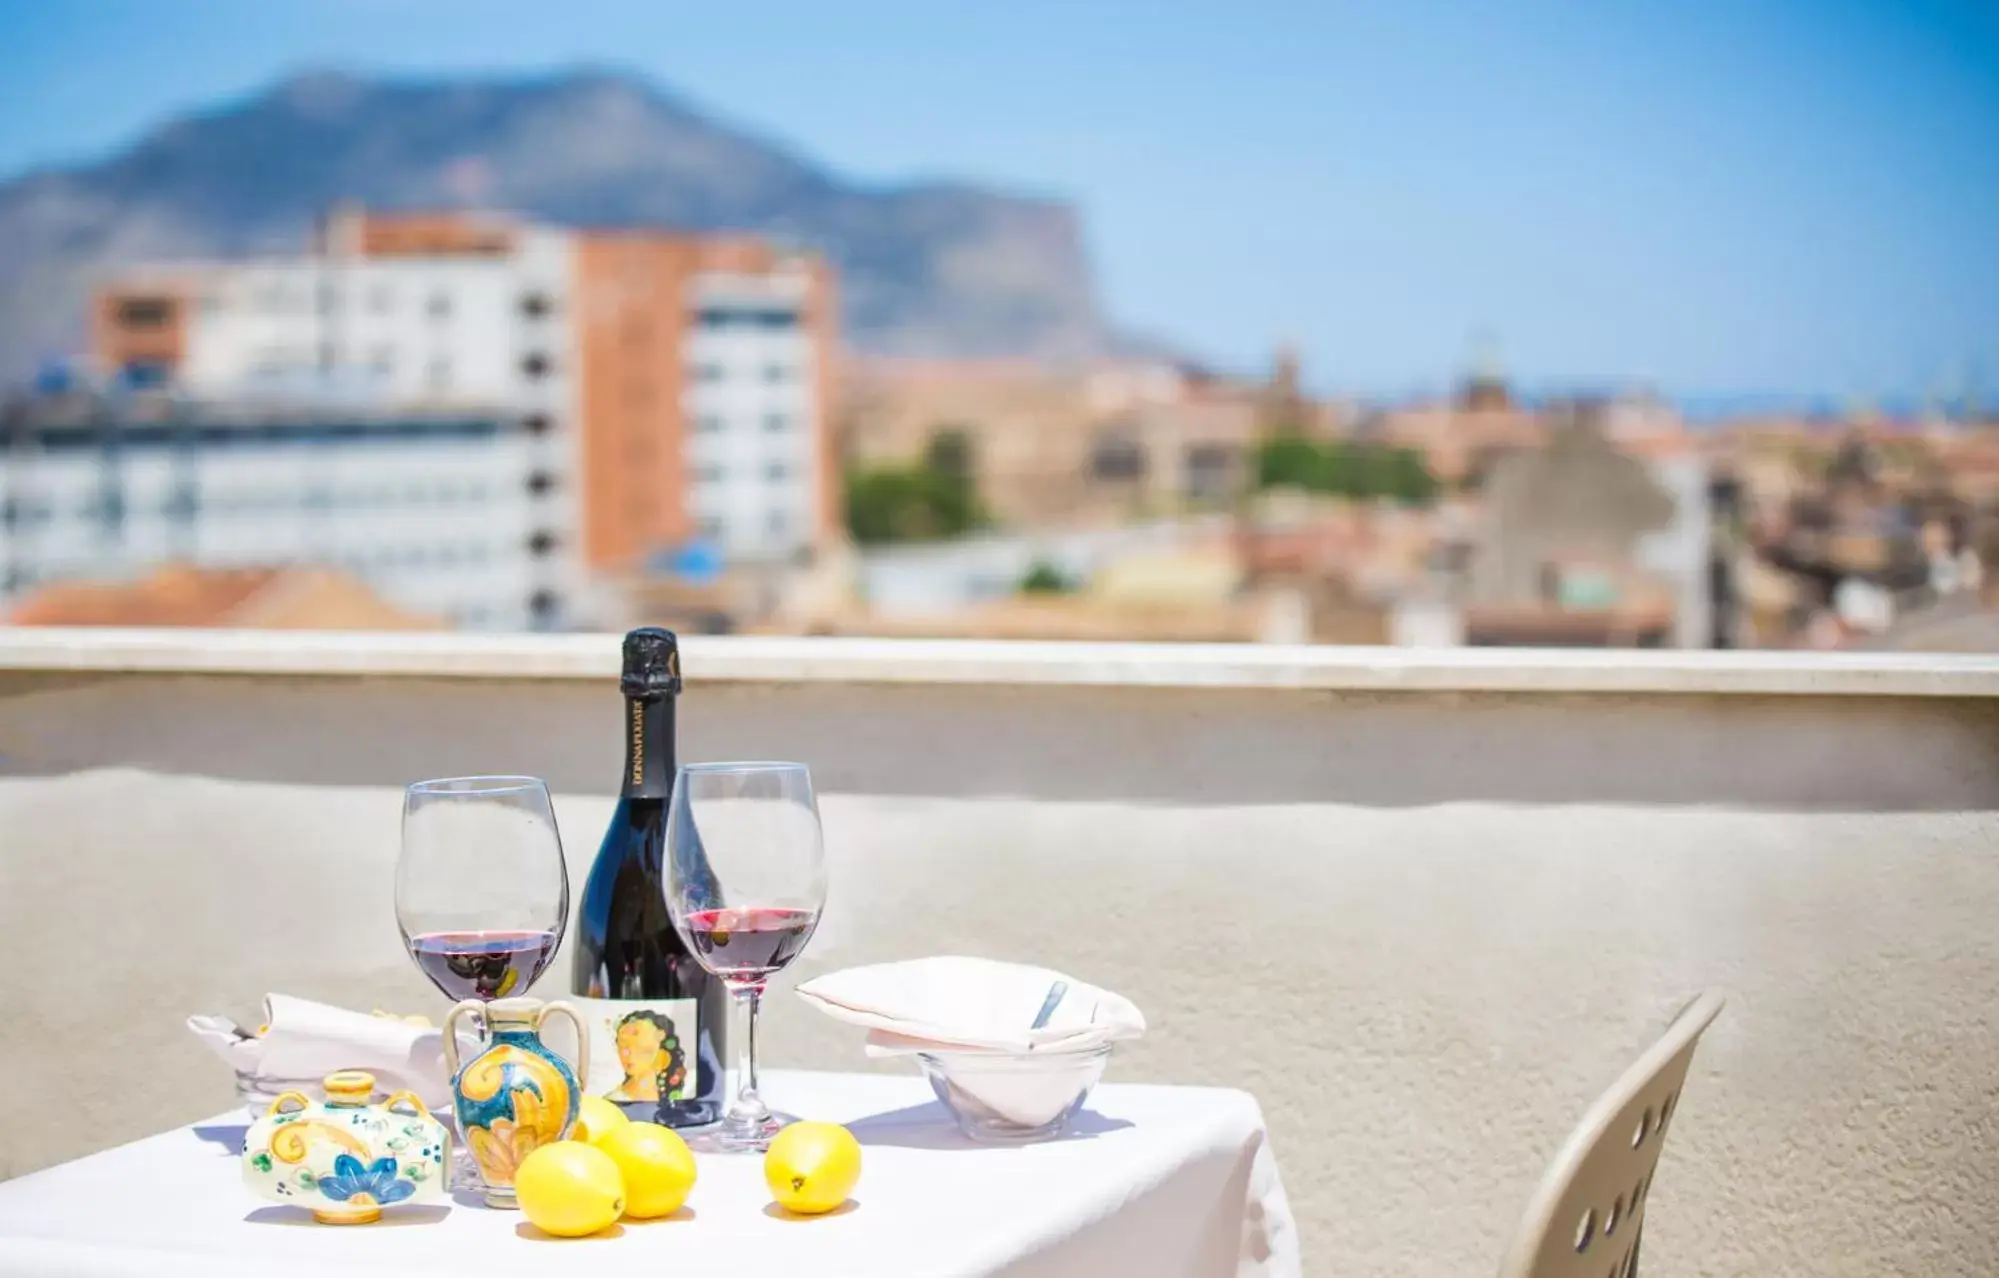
point(641, 1049)
point(648, 747)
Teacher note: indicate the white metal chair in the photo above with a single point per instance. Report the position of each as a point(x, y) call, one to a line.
point(1586, 1219)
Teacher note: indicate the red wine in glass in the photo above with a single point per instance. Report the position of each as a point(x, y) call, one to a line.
point(483, 965)
point(745, 946)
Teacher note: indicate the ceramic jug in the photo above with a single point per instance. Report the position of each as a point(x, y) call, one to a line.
point(345, 1159)
point(515, 1095)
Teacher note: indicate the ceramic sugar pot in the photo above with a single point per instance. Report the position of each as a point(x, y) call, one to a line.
point(516, 1094)
point(345, 1159)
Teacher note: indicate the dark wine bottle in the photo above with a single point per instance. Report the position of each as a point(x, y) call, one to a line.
point(657, 1019)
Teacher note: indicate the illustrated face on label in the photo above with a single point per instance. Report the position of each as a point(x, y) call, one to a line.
point(640, 1050)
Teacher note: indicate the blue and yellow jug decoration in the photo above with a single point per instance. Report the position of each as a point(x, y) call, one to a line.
point(516, 1095)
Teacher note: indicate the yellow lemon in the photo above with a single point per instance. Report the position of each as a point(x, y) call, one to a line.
point(812, 1167)
point(657, 1166)
point(570, 1189)
point(595, 1118)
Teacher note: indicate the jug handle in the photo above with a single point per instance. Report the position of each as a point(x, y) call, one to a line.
point(411, 1099)
point(278, 1106)
point(472, 1006)
point(582, 1036)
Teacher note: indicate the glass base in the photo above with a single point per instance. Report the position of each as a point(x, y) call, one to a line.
point(502, 1198)
point(737, 1138)
point(461, 1170)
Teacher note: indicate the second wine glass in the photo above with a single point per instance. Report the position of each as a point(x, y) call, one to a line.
point(745, 883)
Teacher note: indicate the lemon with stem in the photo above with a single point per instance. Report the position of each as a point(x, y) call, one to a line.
point(811, 1168)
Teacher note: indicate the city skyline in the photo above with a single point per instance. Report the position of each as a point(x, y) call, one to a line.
point(1711, 203)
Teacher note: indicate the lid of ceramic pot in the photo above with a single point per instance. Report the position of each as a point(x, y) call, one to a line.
point(350, 1087)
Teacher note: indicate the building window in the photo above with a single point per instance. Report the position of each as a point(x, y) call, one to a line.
point(543, 603)
point(541, 544)
point(1117, 457)
point(385, 361)
point(709, 371)
point(707, 474)
point(536, 423)
point(776, 423)
point(772, 317)
point(776, 372)
point(778, 523)
point(711, 527)
point(708, 424)
point(535, 364)
point(145, 312)
point(776, 471)
point(440, 306)
point(535, 305)
point(1210, 471)
point(540, 482)
point(440, 373)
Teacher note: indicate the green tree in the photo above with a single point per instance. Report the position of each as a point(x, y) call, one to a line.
point(1406, 477)
point(888, 504)
point(1287, 461)
point(1346, 468)
point(1045, 578)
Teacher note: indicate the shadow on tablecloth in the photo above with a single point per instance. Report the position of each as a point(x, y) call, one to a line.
point(930, 1126)
point(226, 1136)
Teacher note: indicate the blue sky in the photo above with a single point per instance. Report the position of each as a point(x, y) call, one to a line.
point(1712, 196)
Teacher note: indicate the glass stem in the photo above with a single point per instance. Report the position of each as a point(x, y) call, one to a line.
point(747, 1112)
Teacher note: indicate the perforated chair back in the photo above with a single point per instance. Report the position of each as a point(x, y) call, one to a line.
point(1586, 1219)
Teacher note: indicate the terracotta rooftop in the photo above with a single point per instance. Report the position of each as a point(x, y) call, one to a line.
point(295, 598)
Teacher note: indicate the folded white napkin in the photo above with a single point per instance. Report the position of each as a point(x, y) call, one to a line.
point(970, 1004)
point(303, 1042)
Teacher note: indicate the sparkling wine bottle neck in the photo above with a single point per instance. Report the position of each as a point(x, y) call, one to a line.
point(649, 747)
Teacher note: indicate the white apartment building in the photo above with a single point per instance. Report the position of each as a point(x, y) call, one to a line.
point(431, 510)
point(479, 417)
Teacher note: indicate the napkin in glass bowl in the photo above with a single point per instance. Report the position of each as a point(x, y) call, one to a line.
point(302, 1042)
point(951, 1003)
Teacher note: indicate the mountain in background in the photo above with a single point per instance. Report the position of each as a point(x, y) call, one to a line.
point(934, 269)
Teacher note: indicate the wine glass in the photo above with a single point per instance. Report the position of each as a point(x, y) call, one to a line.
point(745, 882)
point(482, 893)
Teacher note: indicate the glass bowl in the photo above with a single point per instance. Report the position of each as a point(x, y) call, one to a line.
point(1004, 1098)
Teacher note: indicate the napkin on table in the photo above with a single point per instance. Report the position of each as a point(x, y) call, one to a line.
point(952, 1003)
point(303, 1041)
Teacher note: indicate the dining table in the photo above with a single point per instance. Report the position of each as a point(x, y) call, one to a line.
point(1154, 1180)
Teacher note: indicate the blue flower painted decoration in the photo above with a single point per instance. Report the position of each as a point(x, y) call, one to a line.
point(351, 1181)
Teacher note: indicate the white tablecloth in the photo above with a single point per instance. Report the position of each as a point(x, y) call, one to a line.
point(1155, 1181)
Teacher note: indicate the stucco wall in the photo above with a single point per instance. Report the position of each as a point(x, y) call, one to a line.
point(1424, 928)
